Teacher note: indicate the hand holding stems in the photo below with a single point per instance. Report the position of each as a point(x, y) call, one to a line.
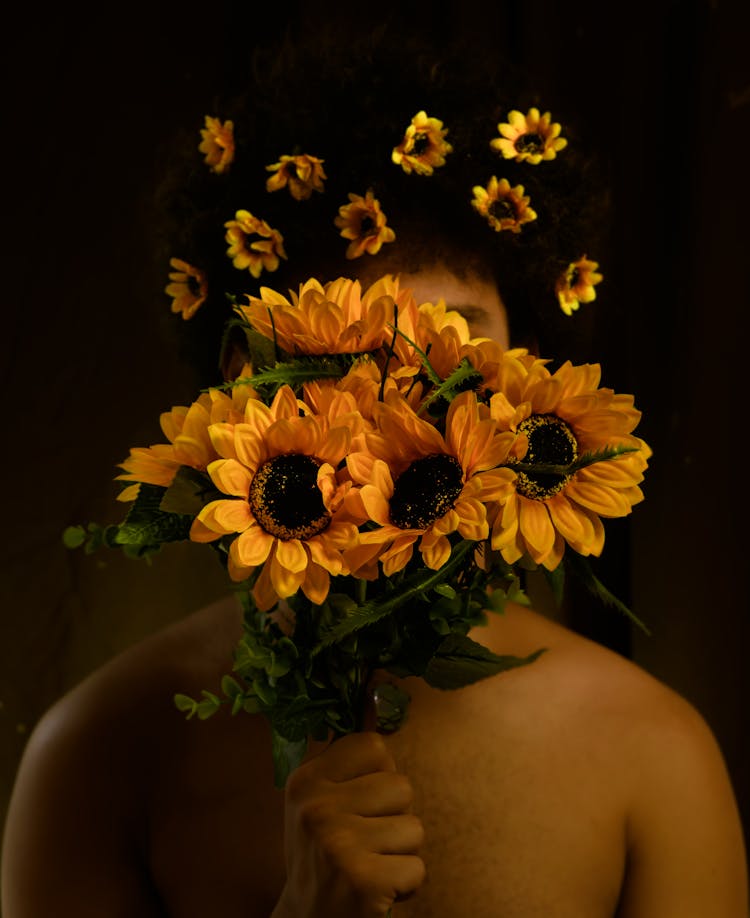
point(351, 841)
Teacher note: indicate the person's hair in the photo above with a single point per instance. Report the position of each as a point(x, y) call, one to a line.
point(348, 100)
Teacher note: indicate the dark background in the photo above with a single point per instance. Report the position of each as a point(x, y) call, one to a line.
point(91, 99)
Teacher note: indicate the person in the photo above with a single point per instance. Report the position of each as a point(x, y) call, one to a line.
point(576, 786)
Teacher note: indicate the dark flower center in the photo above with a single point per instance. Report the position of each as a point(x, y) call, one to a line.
point(503, 209)
point(575, 277)
point(551, 442)
point(529, 143)
point(285, 498)
point(193, 285)
point(427, 490)
point(366, 225)
point(420, 144)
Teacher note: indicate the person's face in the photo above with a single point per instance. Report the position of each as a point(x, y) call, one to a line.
point(476, 299)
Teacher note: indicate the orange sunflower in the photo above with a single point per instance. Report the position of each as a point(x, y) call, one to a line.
point(563, 416)
point(188, 288)
point(284, 497)
point(186, 429)
point(335, 318)
point(503, 207)
point(302, 174)
point(576, 284)
point(217, 144)
point(529, 138)
point(423, 147)
point(421, 486)
point(364, 223)
point(253, 244)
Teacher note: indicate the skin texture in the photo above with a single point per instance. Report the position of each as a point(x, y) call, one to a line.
point(578, 787)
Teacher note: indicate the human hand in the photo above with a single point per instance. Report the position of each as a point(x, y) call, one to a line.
point(350, 841)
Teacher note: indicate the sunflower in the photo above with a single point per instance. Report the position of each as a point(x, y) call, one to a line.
point(335, 318)
point(531, 137)
point(188, 288)
point(576, 284)
point(423, 147)
point(186, 429)
point(217, 144)
point(255, 254)
point(284, 497)
point(419, 485)
point(564, 416)
point(503, 207)
point(301, 174)
point(364, 223)
point(502, 371)
point(441, 333)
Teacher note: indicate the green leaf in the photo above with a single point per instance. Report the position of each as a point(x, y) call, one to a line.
point(460, 661)
point(74, 536)
point(556, 581)
point(189, 492)
point(208, 706)
point(582, 569)
point(147, 526)
point(231, 687)
point(409, 589)
point(445, 589)
point(185, 704)
point(287, 755)
point(301, 370)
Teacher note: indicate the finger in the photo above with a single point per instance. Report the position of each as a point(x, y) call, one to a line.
point(390, 834)
point(353, 755)
point(380, 793)
point(403, 873)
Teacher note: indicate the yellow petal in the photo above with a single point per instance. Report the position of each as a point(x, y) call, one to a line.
point(291, 554)
point(230, 476)
point(253, 546)
point(536, 527)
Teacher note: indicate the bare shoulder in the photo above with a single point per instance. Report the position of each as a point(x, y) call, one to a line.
point(685, 845)
point(82, 789)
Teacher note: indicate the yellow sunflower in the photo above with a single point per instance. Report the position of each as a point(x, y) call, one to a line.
point(502, 371)
point(364, 223)
point(503, 207)
point(421, 486)
point(284, 497)
point(564, 415)
point(335, 318)
point(531, 137)
point(301, 174)
point(253, 244)
point(217, 144)
point(186, 429)
point(576, 284)
point(423, 147)
point(188, 288)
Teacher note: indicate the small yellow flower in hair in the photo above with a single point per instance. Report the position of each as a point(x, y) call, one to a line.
point(531, 137)
point(255, 254)
point(576, 284)
point(301, 174)
point(424, 146)
point(217, 144)
point(503, 207)
point(365, 224)
point(188, 288)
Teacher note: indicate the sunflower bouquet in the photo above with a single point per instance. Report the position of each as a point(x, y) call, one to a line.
point(376, 482)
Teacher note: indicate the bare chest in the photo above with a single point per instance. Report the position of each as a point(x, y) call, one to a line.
point(515, 824)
